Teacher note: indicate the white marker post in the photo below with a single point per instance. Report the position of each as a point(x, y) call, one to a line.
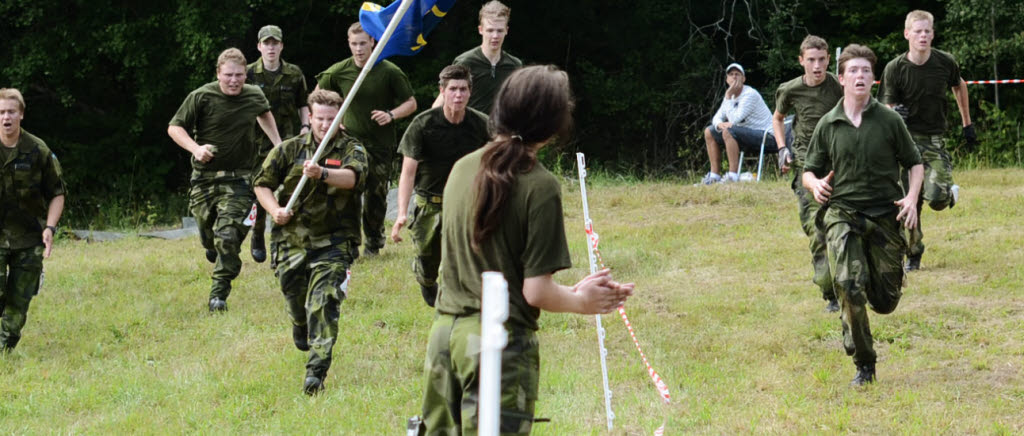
point(493, 338)
point(593, 269)
point(397, 18)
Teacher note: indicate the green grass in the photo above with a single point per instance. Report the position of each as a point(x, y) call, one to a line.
point(119, 340)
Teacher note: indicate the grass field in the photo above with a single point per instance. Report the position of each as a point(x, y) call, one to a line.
point(119, 339)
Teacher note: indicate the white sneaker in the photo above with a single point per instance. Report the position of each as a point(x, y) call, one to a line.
point(955, 190)
point(730, 178)
point(710, 179)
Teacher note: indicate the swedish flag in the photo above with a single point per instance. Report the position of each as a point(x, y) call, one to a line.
point(410, 35)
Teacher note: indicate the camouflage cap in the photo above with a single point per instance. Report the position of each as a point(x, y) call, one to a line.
point(270, 31)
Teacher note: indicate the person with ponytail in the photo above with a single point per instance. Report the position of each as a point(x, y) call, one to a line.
point(503, 212)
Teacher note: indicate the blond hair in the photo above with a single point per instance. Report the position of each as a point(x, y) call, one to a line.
point(918, 15)
point(13, 94)
point(495, 10)
point(231, 55)
point(324, 97)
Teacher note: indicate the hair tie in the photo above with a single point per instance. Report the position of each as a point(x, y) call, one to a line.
point(520, 138)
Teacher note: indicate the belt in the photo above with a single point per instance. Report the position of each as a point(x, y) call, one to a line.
point(222, 173)
point(436, 199)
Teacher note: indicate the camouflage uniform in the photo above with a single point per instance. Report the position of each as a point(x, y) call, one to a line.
point(221, 195)
point(865, 242)
point(384, 88)
point(311, 254)
point(809, 103)
point(286, 91)
point(29, 178)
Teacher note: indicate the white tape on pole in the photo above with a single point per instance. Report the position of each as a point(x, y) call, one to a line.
point(493, 338)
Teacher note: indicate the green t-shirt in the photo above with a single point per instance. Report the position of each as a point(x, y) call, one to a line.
point(922, 88)
point(487, 78)
point(324, 215)
point(810, 103)
point(384, 88)
point(866, 159)
point(30, 176)
point(286, 91)
point(437, 143)
point(529, 242)
point(226, 121)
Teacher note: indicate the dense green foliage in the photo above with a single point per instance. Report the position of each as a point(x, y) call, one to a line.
point(102, 78)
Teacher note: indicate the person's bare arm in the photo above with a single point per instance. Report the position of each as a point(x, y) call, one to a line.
point(596, 293)
point(269, 127)
point(202, 153)
point(266, 198)
point(908, 204)
point(405, 184)
point(821, 188)
point(779, 129)
point(963, 102)
point(53, 213)
point(403, 110)
point(344, 178)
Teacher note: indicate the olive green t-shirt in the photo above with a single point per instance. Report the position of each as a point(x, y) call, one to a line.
point(225, 121)
point(922, 88)
point(487, 78)
point(324, 215)
point(866, 159)
point(384, 88)
point(286, 91)
point(30, 176)
point(810, 103)
point(436, 144)
point(529, 241)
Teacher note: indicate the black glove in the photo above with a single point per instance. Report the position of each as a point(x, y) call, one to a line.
point(903, 111)
point(785, 157)
point(970, 136)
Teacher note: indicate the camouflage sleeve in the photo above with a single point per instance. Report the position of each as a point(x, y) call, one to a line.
point(273, 170)
point(186, 115)
point(53, 177)
point(356, 161)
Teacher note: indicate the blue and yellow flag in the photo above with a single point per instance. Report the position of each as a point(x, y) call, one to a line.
point(410, 35)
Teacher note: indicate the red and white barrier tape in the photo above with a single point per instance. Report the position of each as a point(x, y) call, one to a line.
point(594, 239)
point(993, 82)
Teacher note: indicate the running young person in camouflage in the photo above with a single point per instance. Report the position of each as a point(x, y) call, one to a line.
point(31, 202)
point(809, 96)
point(431, 145)
point(503, 212)
point(311, 246)
point(489, 64)
point(385, 96)
point(915, 84)
point(285, 88)
point(853, 169)
point(222, 115)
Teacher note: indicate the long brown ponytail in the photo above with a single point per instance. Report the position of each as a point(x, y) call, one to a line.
point(532, 106)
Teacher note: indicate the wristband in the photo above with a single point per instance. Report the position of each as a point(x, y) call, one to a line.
point(323, 174)
point(53, 229)
point(307, 126)
point(391, 115)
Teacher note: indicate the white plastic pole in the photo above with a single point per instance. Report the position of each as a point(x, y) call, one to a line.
point(593, 269)
point(493, 338)
point(839, 51)
point(351, 94)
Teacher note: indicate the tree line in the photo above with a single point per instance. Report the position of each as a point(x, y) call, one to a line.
point(102, 78)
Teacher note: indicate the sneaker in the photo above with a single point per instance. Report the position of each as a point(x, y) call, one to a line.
point(832, 306)
point(913, 263)
point(211, 255)
point(730, 178)
point(300, 335)
point(710, 179)
point(218, 305)
point(865, 375)
point(429, 294)
point(258, 248)
point(955, 190)
point(312, 386)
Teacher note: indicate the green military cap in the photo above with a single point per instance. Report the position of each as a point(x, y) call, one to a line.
point(270, 31)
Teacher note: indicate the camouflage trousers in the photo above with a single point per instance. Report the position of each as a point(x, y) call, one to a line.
point(425, 228)
point(866, 256)
point(220, 201)
point(938, 179)
point(451, 378)
point(808, 210)
point(375, 199)
point(259, 227)
point(19, 282)
point(312, 283)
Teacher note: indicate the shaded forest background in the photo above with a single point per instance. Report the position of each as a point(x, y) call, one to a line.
point(102, 78)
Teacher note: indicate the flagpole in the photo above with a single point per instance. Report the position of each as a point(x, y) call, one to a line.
point(397, 18)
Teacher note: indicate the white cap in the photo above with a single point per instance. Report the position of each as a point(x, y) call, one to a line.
point(736, 66)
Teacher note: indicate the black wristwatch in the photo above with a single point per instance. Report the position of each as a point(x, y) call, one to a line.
point(323, 174)
point(53, 229)
point(391, 115)
point(307, 126)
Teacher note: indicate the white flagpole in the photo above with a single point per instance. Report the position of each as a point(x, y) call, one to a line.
point(352, 92)
point(493, 338)
point(593, 269)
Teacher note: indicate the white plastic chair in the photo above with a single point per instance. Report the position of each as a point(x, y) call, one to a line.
point(788, 123)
